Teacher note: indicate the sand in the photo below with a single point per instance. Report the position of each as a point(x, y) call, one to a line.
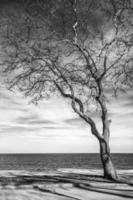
point(64, 184)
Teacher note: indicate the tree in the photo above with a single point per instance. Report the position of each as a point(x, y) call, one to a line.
point(80, 49)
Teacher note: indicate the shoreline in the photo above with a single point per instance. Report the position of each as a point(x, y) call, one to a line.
point(63, 184)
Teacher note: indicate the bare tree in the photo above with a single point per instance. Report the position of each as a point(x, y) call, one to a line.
point(79, 49)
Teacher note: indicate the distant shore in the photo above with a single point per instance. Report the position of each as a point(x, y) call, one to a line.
point(63, 184)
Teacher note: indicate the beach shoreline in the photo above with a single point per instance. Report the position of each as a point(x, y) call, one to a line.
point(80, 184)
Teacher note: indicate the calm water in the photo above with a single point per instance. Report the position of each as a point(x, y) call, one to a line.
point(41, 162)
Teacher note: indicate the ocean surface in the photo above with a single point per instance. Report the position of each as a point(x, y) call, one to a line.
point(41, 162)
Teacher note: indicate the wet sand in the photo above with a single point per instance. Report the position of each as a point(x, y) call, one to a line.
point(67, 184)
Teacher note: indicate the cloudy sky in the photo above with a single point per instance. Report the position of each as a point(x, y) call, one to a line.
point(53, 127)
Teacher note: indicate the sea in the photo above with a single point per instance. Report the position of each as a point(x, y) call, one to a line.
point(42, 162)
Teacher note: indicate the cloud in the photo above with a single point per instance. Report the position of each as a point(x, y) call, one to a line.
point(77, 121)
point(74, 121)
point(57, 127)
point(15, 129)
point(54, 121)
point(33, 120)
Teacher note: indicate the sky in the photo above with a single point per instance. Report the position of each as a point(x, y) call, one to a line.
point(52, 126)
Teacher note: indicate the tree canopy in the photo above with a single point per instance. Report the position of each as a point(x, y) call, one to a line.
point(42, 33)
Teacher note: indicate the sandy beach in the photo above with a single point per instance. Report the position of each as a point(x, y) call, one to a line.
point(64, 184)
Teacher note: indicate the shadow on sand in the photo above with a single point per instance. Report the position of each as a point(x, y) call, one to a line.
point(62, 185)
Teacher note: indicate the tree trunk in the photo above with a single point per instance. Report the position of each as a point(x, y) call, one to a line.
point(108, 167)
